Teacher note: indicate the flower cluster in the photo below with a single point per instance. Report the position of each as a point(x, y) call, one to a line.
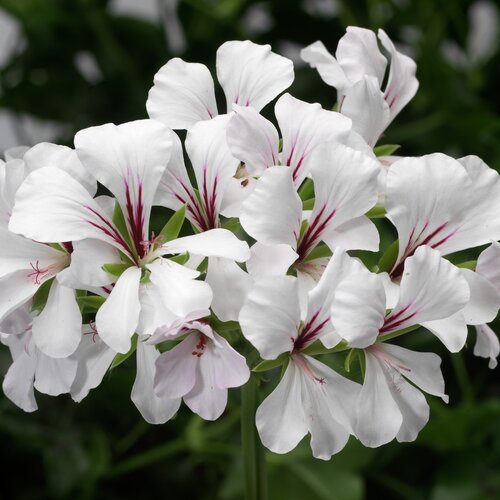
point(258, 263)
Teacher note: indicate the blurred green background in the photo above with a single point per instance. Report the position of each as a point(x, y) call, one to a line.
point(69, 64)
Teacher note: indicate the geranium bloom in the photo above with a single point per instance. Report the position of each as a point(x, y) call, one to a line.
point(250, 75)
point(310, 397)
point(358, 72)
point(345, 183)
point(129, 160)
point(431, 289)
point(199, 369)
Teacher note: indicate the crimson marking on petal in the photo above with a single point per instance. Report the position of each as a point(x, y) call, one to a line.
point(392, 323)
point(193, 207)
point(314, 231)
point(109, 230)
point(68, 246)
point(200, 346)
point(296, 169)
point(310, 331)
point(289, 160)
point(135, 217)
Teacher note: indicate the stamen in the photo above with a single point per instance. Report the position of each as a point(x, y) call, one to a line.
point(38, 274)
point(200, 346)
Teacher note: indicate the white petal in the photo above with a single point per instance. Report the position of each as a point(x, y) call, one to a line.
point(18, 253)
point(182, 94)
point(15, 290)
point(378, 415)
point(252, 139)
point(18, 382)
point(154, 409)
point(431, 289)
point(487, 345)
point(230, 285)
point(154, 312)
point(303, 127)
point(52, 207)
point(270, 260)
point(271, 316)
point(236, 192)
point(488, 264)
point(18, 321)
point(15, 153)
point(45, 154)
point(280, 419)
point(425, 200)
point(212, 243)
point(484, 299)
point(330, 71)
point(359, 55)
point(180, 292)
point(356, 234)
point(422, 368)
point(251, 74)
point(274, 194)
point(117, 318)
point(55, 376)
point(230, 367)
point(57, 330)
point(451, 331)
point(414, 409)
point(94, 359)
point(176, 369)
point(128, 159)
point(87, 259)
point(212, 162)
point(345, 188)
point(364, 104)
point(402, 84)
point(358, 308)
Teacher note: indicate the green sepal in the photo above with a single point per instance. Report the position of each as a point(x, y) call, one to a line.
point(397, 333)
point(386, 149)
point(387, 261)
point(223, 326)
point(269, 364)
point(120, 358)
point(181, 258)
point(173, 227)
point(115, 269)
point(377, 212)
point(121, 224)
point(41, 295)
point(349, 359)
point(232, 224)
point(308, 204)
point(91, 303)
point(145, 276)
point(280, 145)
point(469, 264)
point(202, 268)
point(317, 347)
point(306, 191)
point(318, 252)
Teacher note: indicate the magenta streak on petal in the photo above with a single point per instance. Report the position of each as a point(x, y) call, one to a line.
point(289, 160)
point(413, 245)
point(68, 246)
point(394, 321)
point(210, 200)
point(135, 217)
point(314, 231)
point(192, 207)
point(296, 169)
point(109, 230)
point(310, 332)
point(237, 99)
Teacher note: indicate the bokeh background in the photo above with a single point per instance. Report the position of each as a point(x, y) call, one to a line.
point(69, 64)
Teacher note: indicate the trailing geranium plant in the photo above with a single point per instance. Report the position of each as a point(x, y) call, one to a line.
point(267, 276)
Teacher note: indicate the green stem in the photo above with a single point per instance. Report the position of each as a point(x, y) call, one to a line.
point(254, 459)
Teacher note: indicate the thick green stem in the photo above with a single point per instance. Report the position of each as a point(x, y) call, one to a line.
point(254, 459)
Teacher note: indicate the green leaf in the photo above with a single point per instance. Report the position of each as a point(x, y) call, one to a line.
point(223, 326)
point(306, 191)
point(115, 269)
point(41, 295)
point(388, 260)
point(173, 227)
point(317, 347)
point(269, 364)
point(386, 149)
point(91, 303)
point(120, 358)
point(232, 224)
point(377, 212)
